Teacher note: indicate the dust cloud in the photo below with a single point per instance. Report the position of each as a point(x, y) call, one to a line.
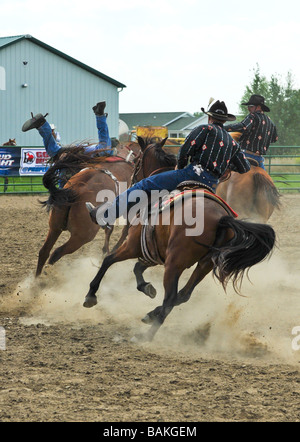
point(257, 325)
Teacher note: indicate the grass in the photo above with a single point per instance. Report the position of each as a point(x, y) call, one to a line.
point(290, 183)
point(19, 185)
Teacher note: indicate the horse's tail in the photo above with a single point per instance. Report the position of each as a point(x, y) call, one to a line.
point(251, 244)
point(263, 184)
point(58, 196)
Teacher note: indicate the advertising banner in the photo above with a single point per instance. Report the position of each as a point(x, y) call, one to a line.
point(33, 161)
point(23, 161)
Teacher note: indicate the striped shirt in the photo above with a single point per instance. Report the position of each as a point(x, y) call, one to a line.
point(211, 146)
point(258, 131)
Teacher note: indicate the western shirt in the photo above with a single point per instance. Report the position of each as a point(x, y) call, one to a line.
point(213, 148)
point(258, 132)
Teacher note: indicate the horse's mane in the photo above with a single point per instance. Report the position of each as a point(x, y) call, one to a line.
point(76, 156)
point(165, 159)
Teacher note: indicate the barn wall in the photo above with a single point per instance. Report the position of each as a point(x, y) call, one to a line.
point(54, 85)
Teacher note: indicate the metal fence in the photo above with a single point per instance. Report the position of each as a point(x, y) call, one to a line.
point(284, 168)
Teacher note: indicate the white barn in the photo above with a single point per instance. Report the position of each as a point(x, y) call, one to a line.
point(35, 77)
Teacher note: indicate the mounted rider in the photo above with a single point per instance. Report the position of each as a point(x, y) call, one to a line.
point(257, 130)
point(210, 150)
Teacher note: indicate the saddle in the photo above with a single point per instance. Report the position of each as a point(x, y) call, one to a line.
point(114, 159)
point(150, 252)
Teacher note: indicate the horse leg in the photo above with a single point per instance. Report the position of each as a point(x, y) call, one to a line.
point(201, 270)
point(171, 278)
point(77, 217)
point(57, 222)
point(108, 233)
point(122, 238)
point(45, 250)
point(199, 273)
point(142, 285)
point(126, 251)
point(74, 243)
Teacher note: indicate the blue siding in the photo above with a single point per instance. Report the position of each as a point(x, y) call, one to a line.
point(57, 86)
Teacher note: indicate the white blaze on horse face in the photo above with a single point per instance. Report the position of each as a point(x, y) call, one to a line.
point(2, 79)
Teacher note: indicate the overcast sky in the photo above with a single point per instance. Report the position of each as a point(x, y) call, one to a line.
point(173, 55)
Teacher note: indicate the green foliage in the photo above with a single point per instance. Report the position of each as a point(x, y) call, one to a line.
point(283, 101)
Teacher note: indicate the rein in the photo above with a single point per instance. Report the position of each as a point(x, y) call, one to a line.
point(140, 166)
point(225, 176)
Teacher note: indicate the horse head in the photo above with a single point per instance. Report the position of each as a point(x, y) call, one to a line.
point(152, 158)
point(10, 142)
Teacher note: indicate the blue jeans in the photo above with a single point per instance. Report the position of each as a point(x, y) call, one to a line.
point(52, 147)
point(103, 137)
point(163, 181)
point(258, 158)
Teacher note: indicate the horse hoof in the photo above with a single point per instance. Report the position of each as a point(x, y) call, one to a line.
point(140, 338)
point(134, 339)
point(150, 291)
point(90, 301)
point(147, 320)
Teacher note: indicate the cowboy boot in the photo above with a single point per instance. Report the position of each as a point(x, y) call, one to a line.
point(93, 214)
point(99, 108)
point(34, 122)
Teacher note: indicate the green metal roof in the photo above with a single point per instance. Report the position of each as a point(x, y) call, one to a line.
point(6, 41)
point(156, 119)
point(182, 123)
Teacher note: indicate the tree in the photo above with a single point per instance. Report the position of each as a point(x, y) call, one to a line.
point(284, 103)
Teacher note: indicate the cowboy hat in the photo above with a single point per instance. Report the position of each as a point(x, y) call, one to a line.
point(257, 100)
point(218, 110)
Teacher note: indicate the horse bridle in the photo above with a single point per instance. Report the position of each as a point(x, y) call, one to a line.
point(139, 166)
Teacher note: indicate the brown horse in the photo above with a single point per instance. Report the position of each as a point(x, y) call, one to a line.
point(10, 142)
point(226, 246)
point(152, 159)
point(252, 195)
point(68, 212)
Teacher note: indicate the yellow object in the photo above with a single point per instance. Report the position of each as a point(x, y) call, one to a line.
point(235, 135)
point(152, 131)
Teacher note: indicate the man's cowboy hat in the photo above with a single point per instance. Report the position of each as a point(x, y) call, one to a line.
point(218, 110)
point(257, 100)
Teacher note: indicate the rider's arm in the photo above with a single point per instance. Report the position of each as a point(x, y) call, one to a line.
point(194, 140)
point(239, 162)
point(244, 125)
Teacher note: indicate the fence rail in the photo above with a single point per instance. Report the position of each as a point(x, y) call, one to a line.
point(285, 173)
point(284, 168)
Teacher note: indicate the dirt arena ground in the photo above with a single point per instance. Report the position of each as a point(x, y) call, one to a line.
point(219, 357)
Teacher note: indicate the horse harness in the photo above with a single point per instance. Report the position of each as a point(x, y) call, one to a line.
point(150, 253)
point(110, 174)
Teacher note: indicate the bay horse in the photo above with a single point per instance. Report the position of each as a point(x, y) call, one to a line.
point(10, 142)
point(227, 247)
point(67, 205)
point(253, 195)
